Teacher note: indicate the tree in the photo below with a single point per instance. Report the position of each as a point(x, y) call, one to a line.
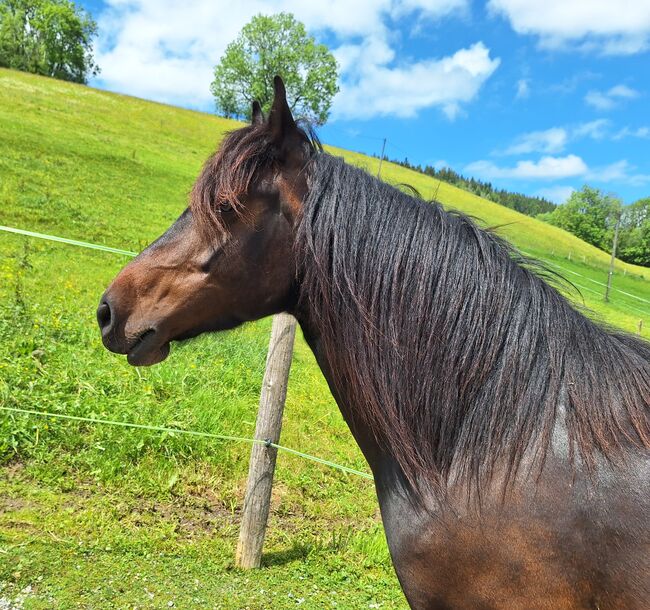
point(270, 45)
point(48, 37)
point(635, 233)
point(589, 214)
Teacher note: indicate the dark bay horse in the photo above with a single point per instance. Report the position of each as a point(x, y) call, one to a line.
point(508, 434)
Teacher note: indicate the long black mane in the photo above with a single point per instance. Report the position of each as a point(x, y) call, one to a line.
point(451, 347)
point(453, 351)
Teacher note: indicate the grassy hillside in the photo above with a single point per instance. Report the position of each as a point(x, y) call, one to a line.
point(106, 517)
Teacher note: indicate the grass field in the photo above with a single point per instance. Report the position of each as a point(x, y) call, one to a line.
point(102, 517)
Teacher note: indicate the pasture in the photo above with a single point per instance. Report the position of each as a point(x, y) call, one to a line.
point(99, 517)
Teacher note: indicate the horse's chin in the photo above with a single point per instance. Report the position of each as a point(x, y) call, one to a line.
point(144, 354)
point(147, 351)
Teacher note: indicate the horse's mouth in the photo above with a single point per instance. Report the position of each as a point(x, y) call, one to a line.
point(147, 349)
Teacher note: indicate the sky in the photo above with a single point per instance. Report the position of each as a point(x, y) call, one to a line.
point(538, 97)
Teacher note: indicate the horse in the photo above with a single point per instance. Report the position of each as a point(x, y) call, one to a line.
point(507, 432)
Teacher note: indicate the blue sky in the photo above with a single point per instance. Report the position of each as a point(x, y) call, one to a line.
point(537, 97)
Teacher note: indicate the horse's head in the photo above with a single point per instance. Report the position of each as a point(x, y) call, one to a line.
point(229, 257)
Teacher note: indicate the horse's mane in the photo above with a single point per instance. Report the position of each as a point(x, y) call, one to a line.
point(450, 348)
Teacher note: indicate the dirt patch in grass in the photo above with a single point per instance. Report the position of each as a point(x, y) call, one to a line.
point(190, 519)
point(13, 469)
point(12, 505)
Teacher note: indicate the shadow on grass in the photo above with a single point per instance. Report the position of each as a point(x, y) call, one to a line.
point(281, 558)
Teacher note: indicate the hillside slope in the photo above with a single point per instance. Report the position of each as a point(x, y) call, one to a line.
point(97, 151)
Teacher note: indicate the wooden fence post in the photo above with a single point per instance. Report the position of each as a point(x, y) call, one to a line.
point(269, 425)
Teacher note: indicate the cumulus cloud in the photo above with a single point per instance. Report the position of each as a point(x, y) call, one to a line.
point(555, 139)
point(371, 88)
point(165, 50)
point(606, 100)
point(550, 168)
point(547, 168)
point(601, 26)
point(551, 140)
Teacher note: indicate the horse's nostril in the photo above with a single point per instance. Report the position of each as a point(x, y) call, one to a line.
point(104, 315)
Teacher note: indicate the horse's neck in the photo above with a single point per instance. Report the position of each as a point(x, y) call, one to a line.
point(374, 455)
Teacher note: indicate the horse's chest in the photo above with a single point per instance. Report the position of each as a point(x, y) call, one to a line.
point(473, 566)
point(545, 553)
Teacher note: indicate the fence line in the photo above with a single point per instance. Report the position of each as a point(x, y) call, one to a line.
point(65, 240)
point(221, 437)
point(622, 305)
point(85, 244)
point(634, 296)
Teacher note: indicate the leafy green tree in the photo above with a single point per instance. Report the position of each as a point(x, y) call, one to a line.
point(589, 214)
point(634, 240)
point(49, 37)
point(270, 45)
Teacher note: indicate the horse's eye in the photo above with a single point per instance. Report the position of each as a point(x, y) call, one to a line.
point(225, 206)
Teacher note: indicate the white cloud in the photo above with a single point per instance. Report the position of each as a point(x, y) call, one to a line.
point(623, 91)
point(559, 168)
point(621, 171)
point(593, 129)
point(375, 87)
point(555, 139)
point(166, 51)
point(601, 26)
point(549, 141)
point(606, 100)
point(431, 8)
point(523, 88)
point(556, 194)
point(599, 100)
point(547, 168)
point(627, 132)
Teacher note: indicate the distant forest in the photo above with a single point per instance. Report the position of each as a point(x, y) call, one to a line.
point(525, 204)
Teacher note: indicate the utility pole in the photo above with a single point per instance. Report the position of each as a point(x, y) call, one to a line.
point(613, 259)
point(383, 147)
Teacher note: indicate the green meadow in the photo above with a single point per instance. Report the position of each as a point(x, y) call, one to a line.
point(95, 516)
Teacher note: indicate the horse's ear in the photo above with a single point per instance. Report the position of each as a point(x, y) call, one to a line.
point(257, 115)
point(281, 122)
